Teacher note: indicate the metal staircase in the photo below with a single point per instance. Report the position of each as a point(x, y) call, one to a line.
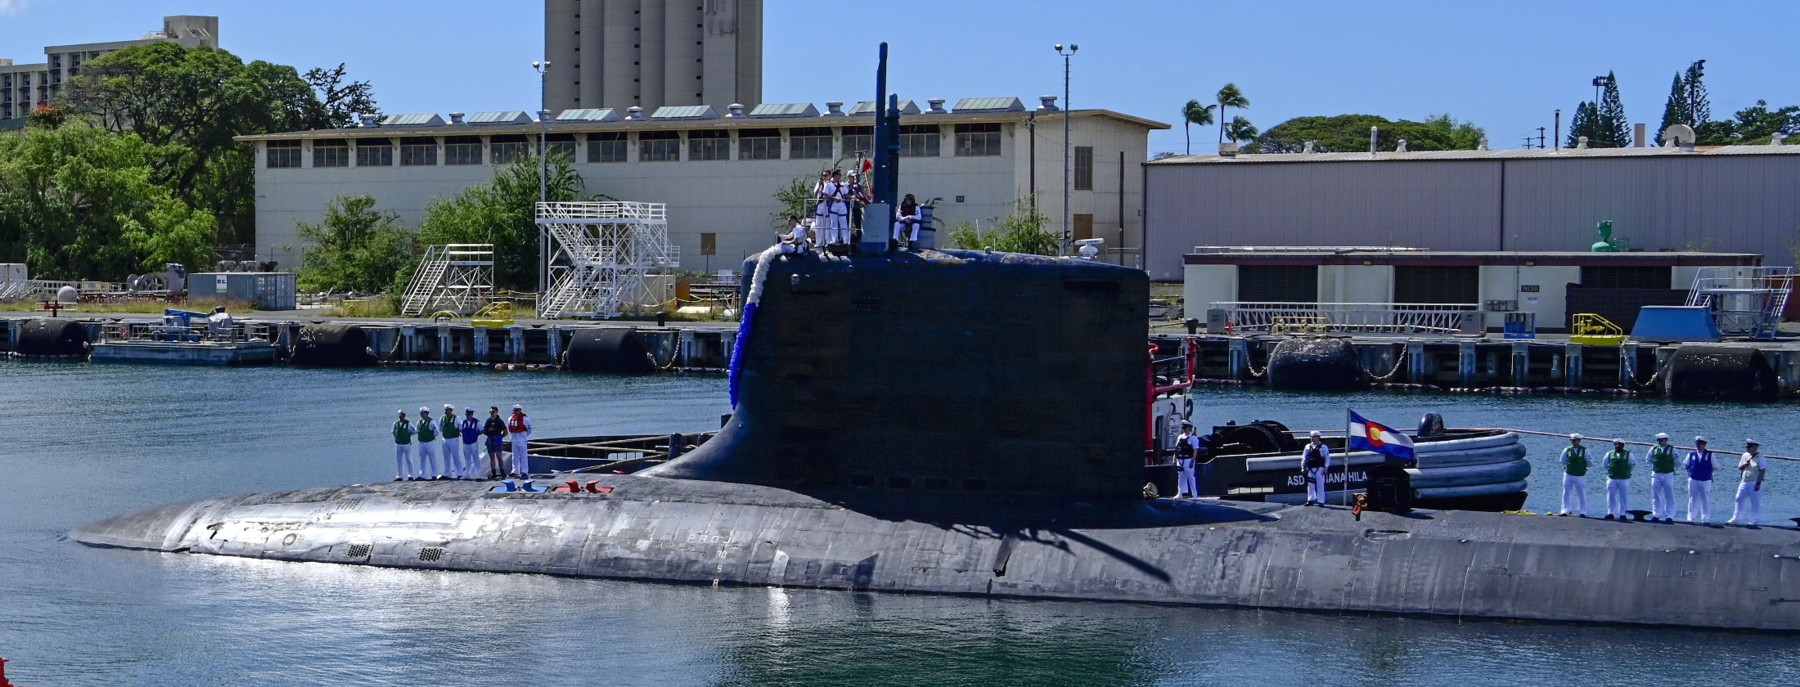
point(1745, 301)
point(598, 255)
point(457, 277)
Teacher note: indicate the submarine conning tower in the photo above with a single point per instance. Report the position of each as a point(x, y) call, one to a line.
point(938, 375)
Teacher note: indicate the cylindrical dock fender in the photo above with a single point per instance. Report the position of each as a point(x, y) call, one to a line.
point(610, 350)
point(1318, 364)
point(1719, 373)
point(332, 345)
point(52, 337)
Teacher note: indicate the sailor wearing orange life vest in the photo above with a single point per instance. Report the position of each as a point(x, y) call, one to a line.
point(518, 426)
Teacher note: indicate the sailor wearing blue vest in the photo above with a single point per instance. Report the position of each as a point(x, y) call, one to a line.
point(403, 436)
point(1699, 466)
point(428, 445)
point(1574, 481)
point(452, 448)
point(470, 429)
point(1187, 444)
point(1315, 461)
point(1752, 468)
point(518, 427)
point(1662, 479)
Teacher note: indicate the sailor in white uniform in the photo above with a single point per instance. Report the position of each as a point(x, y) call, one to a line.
point(1662, 479)
point(907, 217)
point(428, 445)
point(1187, 445)
point(403, 436)
point(1699, 465)
point(452, 443)
point(518, 427)
point(1315, 461)
point(794, 242)
point(470, 431)
point(1752, 469)
point(833, 212)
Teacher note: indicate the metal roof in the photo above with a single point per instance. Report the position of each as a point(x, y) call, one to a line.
point(592, 114)
point(668, 112)
point(1439, 155)
point(504, 117)
point(1006, 104)
point(785, 110)
point(415, 119)
point(867, 107)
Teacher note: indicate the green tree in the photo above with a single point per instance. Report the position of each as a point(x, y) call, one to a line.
point(1611, 128)
point(355, 248)
point(1463, 135)
point(1350, 133)
point(1758, 123)
point(796, 199)
point(1022, 231)
point(337, 102)
point(502, 212)
point(1229, 96)
point(1699, 106)
point(78, 202)
point(1585, 124)
point(1240, 130)
point(1193, 113)
point(1675, 110)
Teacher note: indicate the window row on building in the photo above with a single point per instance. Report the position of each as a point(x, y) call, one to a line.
point(798, 143)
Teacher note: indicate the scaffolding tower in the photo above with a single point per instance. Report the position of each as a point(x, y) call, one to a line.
point(596, 256)
point(1745, 301)
point(458, 277)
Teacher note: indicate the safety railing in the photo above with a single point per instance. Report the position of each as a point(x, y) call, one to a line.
point(1345, 318)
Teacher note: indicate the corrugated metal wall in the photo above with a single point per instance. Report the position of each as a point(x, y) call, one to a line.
point(1731, 203)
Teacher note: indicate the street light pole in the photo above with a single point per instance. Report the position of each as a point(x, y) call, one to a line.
point(1068, 216)
point(543, 70)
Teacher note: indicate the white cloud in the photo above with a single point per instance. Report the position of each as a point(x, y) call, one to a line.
point(14, 6)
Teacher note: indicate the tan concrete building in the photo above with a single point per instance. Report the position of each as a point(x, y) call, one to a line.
point(23, 87)
point(651, 53)
point(718, 171)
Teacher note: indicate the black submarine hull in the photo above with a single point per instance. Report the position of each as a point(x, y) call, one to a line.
point(1203, 553)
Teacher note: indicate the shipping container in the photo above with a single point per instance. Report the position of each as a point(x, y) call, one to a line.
point(264, 290)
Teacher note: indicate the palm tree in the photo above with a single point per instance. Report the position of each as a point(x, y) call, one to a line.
point(1239, 130)
point(1194, 113)
point(1230, 96)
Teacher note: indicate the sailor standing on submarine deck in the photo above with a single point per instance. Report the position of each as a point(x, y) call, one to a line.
point(470, 429)
point(1315, 461)
point(1752, 469)
point(1574, 481)
point(519, 427)
point(1618, 480)
point(452, 448)
point(1699, 466)
point(403, 436)
point(1187, 444)
point(1662, 479)
point(428, 445)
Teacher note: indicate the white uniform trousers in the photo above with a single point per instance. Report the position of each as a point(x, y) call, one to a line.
point(471, 460)
point(1315, 485)
point(427, 460)
point(451, 450)
point(402, 461)
point(1616, 491)
point(1698, 491)
point(1748, 509)
point(521, 457)
point(1574, 492)
point(1662, 495)
point(901, 225)
point(1186, 485)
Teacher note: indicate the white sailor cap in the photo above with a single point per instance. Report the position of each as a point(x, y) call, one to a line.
point(518, 407)
point(401, 411)
point(1575, 437)
point(449, 407)
point(1662, 435)
point(1751, 442)
point(1699, 440)
point(1315, 434)
point(424, 409)
point(1619, 442)
point(1187, 422)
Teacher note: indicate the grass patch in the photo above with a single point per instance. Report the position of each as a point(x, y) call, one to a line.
point(135, 307)
point(381, 306)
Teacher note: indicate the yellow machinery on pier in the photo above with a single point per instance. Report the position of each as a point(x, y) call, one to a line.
point(493, 315)
point(1590, 329)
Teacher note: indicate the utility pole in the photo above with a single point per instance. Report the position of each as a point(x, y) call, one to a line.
point(543, 70)
point(1528, 143)
point(1067, 213)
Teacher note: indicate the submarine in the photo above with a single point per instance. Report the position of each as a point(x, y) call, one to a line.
point(888, 436)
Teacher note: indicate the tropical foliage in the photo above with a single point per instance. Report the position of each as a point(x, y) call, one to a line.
point(502, 212)
point(1350, 133)
point(1022, 231)
point(355, 248)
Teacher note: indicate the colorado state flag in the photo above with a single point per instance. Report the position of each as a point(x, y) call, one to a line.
point(1368, 435)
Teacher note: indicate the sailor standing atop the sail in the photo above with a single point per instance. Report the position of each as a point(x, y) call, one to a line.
point(1574, 481)
point(428, 445)
point(403, 436)
point(821, 219)
point(519, 427)
point(1187, 444)
point(1662, 479)
point(832, 212)
point(1315, 460)
point(470, 429)
point(452, 449)
point(1618, 480)
point(1699, 466)
point(1752, 468)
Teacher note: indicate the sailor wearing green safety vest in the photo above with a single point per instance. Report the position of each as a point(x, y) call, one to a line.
point(1575, 467)
point(428, 444)
point(1618, 479)
point(403, 435)
point(452, 444)
point(1662, 479)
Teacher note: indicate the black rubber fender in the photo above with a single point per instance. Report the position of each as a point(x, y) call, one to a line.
point(1719, 373)
point(1317, 364)
point(608, 350)
point(332, 345)
point(46, 336)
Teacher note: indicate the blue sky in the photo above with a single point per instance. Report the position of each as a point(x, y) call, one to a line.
point(1505, 65)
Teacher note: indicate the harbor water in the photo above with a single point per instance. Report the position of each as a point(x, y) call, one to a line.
point(86, 442)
